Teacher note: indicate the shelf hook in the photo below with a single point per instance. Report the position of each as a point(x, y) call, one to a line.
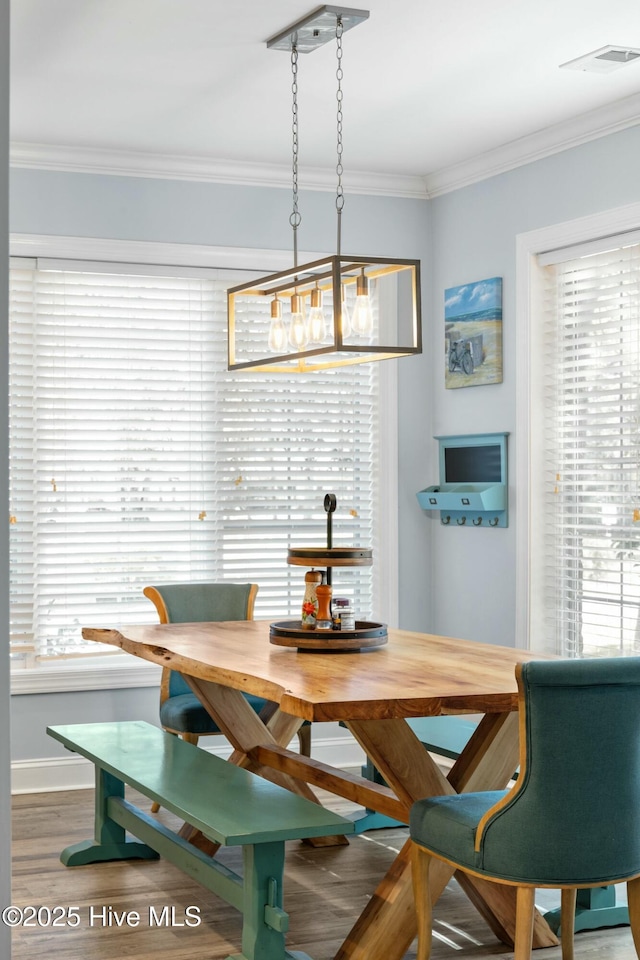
point(495, 521)
point(478, 522)
point(445, 520)
point(461, 521)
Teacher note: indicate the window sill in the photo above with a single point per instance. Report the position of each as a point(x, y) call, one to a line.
point(99, 673)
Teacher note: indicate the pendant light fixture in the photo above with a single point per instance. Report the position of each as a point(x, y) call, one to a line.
point(339, 310)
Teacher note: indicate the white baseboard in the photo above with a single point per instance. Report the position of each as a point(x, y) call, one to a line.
point(75, 773)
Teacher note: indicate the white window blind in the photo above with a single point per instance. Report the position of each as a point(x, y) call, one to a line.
point(587, 600)
point(136, 457)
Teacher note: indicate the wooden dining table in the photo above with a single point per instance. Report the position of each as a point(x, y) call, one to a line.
point(373, 692)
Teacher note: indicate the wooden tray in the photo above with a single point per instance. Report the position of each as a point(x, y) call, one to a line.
point(330, 556)
point(290, 633)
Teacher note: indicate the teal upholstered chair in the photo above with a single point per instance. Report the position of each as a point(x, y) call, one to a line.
point(181, 712)
point(573, 818)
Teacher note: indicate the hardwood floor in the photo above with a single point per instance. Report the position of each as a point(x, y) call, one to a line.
point(325, 889)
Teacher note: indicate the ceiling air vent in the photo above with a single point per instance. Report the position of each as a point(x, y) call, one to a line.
point(603, 60)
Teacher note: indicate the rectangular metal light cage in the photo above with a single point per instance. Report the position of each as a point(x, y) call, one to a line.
point(393, 288)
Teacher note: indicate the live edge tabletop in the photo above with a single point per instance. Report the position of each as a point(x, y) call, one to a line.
point(413, 675)
point(374, 692)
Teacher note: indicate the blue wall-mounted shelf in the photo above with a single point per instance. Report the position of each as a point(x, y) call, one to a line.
point(473, 488)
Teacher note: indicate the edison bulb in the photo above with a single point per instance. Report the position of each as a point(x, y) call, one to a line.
point(362, 317)
point(277, 334)
point(298, 335)
point(317, 322)
point(345, 318)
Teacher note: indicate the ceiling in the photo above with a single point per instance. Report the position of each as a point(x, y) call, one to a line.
point(428, 84)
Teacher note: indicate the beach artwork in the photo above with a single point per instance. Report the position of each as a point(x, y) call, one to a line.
point(473, 334)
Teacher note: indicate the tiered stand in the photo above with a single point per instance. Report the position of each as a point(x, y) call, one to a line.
point(291, 633)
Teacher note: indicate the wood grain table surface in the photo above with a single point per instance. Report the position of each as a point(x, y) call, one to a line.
point(414, 674)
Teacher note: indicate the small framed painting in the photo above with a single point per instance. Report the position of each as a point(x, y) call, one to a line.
point(473, 334)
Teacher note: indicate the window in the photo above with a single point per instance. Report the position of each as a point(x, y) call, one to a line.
point(586, 516)
point(136, 457)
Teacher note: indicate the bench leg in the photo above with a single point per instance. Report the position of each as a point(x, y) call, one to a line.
point(109, 841)
point(264, 921)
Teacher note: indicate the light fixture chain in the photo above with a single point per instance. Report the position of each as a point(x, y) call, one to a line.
point(339, 145)
point(295, 217)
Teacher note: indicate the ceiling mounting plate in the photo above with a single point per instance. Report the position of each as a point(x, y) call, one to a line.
point(316, 29)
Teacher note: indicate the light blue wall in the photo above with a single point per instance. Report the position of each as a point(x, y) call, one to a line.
point(5, 799)
point(473, 236)
point(32, 713)
point(175, 211)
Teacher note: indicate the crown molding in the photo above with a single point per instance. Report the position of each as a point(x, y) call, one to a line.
point(561, 136)
point(601, 122)
point(120, 163)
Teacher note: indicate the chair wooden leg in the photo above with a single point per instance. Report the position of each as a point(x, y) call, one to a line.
point(567, 921)
point(304, 739)
point(633, 897)
point(420, 863)
point(190, 738)
point(525, 906)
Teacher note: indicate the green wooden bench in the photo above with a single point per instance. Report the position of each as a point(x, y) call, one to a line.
point(229, 805)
